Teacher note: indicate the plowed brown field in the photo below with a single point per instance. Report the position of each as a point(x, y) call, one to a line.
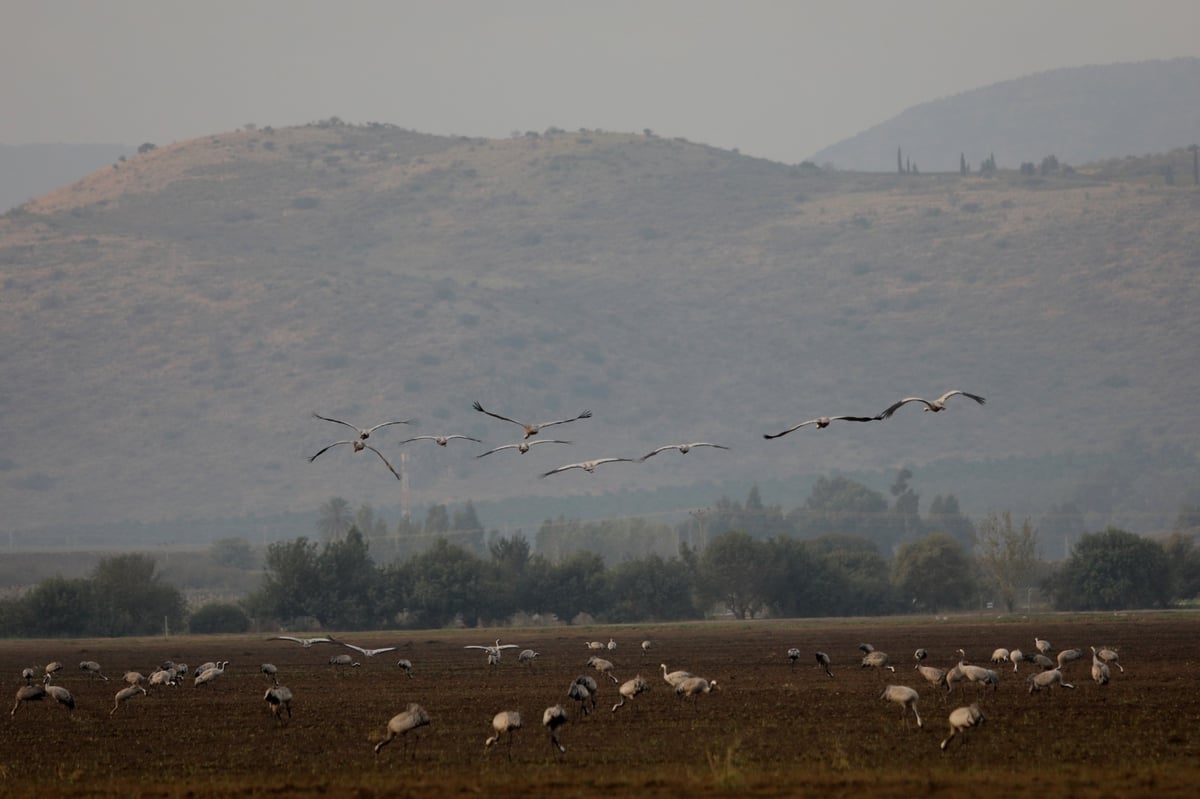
point(772, 729)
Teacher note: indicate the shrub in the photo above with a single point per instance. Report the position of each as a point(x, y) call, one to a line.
point(219, 617)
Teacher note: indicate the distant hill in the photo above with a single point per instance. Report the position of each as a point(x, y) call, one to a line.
point(1078, 115)
point(31, 170)
point(171, 325)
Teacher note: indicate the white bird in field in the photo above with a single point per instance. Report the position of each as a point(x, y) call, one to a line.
point(441, 440)
point(363, 433)
point(552, 718)
point(629, 689)
point(359, 446)
point(694, 686)
point(125, 694)
point(369, 652)
point(403, 723)
point(279, 697)
point(91, 667)
point(531, 429)
point(1109, 656)
point(675, 677)
point(493, 649)
point(304, 642)
point(936, 405)
point(587, 466)
point(207, 676)
point(906, 698)
point(961, 719)
point(821, 422)
point(506, 721)
point(28, 693)
point(523, 446)
point(683, 448)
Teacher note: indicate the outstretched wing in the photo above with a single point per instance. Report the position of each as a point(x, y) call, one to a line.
point(338, 421)
point(950, 394)
point(887, 413)
point(285, 638)
point(660, 449)
point(562, 469)
point(497, 449)
point(481, 409)
point(331, 446)
point(418, 438)
point(791, 429)
point(706, 444)
point(358, 649)
point(385, 424)
point(477, 646)
point(584, 415)
point(385, 461)
point(464, 438)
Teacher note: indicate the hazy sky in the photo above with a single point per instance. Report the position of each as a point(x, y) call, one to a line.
point(775, 79)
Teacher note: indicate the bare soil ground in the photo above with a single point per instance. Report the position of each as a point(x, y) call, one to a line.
point(772, 729)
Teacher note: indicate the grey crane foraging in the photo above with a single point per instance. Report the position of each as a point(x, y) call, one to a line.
point(270, 671)
point(124, 695)
point(403, 723)
point(675, 677)
point(27, 674)
point(1109, 656)
point(92, 668)
point(793, 655)
point(531, 429)
point(554, 717)
point(1047, 680)
point(405, 665)
point(877, 660)
point(59, 694)
point(962, 719)
point(1100, 671)
point(279, 699)
point(506, 721)
point(823, 662)
point(935, 406)
point(629, 689)
point(906, 698)
point(1042, 645)
point(526, 657)
point(693, 687)
point(583, 695)
point(208, 676)
point(821, 423)
point(1068, 656)
point(340, 662)
point(361, 433)
point(603, 666)
point(28, 693)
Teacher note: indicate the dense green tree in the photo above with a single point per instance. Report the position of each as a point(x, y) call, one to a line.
point(58, 606)
point(652, 589)
point(446, 582)
point(731, 573)
point(576, 584)
point(798, 582)
point(291, 580)
point(1007, 556)
point(838, 505)
point(129, 598)
point(1113, 570)
point(933, 573)
point(218, 617)
point(1184, 558)
point(346, 593)
point(857, 561)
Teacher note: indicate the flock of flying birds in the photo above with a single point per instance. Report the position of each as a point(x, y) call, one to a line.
point(361, 434)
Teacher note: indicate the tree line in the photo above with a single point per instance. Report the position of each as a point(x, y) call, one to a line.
point(845, 552)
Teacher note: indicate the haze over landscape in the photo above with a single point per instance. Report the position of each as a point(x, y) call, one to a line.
point(334, 215)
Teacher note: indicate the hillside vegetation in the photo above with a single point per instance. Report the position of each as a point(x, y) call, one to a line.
point(171, 324)
point(1077, 114)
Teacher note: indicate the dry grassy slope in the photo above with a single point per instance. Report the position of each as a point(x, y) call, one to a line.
point(170, 325)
